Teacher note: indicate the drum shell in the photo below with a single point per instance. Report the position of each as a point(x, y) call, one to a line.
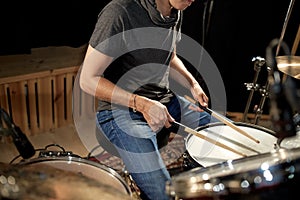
point(274, 175)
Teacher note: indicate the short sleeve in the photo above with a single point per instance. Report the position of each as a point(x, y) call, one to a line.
point(107, 34)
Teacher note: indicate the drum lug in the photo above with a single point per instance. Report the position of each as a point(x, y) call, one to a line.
point(276, 146)
point(189, 163)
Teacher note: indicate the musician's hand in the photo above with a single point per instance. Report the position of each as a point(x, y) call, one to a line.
point(155, 113)
point(200, 96)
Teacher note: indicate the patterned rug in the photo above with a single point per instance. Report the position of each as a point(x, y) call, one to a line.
point(171, 154)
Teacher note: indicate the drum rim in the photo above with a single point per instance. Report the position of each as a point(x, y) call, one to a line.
point(245, 124)
point(78, 160)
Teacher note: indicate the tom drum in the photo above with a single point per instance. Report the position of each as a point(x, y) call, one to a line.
point(207, 154)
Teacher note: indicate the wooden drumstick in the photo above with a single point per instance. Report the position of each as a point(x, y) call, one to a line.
point(222, 119)
point(189, 130)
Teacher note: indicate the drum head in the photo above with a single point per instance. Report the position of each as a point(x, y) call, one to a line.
point(273, 175)
point(207, 154)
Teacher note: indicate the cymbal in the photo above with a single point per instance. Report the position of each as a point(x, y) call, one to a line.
point(289, 65)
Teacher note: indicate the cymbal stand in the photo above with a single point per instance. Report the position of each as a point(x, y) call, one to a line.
point(264, 91)
point(258, 63)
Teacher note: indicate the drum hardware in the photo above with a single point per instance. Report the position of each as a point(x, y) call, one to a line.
point(287, 18)
point(221, 118)
point(286, 64)
point(188, 162)
point(50, 153)
point(284, 101)
point(123, 172)
point(45, 152)
point(129, 180)
point(254, 87)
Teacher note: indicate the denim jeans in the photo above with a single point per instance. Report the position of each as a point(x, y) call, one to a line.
point(137, 145)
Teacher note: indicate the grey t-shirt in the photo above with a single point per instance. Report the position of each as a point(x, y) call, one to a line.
point(141, 42)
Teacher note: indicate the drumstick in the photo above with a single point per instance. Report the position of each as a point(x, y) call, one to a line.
point(222, 119)
point(189, 130)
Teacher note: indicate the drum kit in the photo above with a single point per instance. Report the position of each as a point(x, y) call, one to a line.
point(266, 170)
point(240, 168)
point(289, 65)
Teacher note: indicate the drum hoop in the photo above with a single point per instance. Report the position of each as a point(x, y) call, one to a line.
point(242, 124)
point(71, 159)
point(180, 184)
point(79, 160)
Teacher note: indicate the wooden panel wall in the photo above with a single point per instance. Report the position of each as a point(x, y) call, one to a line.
point(41, 101)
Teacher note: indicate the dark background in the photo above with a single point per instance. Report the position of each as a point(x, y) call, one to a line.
point(232, 32)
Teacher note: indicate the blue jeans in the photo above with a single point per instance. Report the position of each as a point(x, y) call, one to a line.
point(137, 145)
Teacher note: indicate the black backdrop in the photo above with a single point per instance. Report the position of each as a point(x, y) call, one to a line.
point(234, 32)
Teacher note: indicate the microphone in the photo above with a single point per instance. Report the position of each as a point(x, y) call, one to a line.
point(22, 143)
point(20, 140)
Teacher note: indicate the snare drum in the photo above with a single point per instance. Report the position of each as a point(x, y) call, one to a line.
point(268, 176)
point(84, 167)
point(207, 154)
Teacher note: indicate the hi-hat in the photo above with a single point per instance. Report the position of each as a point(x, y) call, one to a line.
point(289, 65)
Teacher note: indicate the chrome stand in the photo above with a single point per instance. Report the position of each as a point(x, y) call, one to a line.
point(253, 87)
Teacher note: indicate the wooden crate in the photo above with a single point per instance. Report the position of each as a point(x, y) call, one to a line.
point(36, 89)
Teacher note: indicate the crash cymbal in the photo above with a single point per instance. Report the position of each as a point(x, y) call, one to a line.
point(289, 65)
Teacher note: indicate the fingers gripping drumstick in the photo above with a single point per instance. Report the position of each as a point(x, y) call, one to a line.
point(222, 119)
